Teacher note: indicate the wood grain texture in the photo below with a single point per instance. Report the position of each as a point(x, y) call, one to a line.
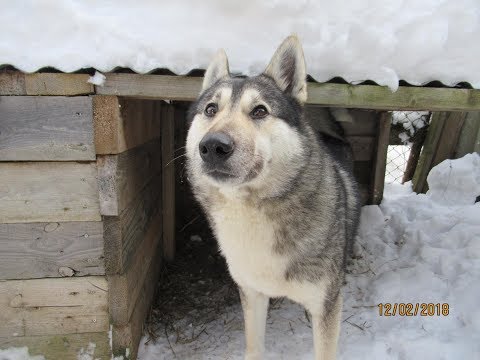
point(62, 347)
point(46, 128)
point(125, 289)
point(121, 177)
point(53, 306)
point(39, 250)
point(440, 144)
point(168, 181)
point(12, 83)
point(128, 336)
point(123, 234)
point(378, 182)
point(469, 136)
point(48, 192)
point(327, 94)
point(58, 84)
point(122, 124)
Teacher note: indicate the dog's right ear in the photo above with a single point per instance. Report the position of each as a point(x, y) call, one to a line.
point(218, 69)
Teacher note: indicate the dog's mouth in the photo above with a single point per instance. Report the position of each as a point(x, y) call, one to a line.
point(221, 175)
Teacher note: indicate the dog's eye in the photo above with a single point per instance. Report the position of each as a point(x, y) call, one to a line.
point(211, 109)
point(259, 112)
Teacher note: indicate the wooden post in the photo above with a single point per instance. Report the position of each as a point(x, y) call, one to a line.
point(418, 140)
point(168, 180)
point(383, 136)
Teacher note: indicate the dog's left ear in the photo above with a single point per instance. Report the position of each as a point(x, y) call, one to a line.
point(218, 69)
point(287, 68)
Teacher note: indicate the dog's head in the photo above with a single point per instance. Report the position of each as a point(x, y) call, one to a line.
point(247, 131)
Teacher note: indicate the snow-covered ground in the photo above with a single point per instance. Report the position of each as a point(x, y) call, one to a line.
point(411, 249)
point(381, 40)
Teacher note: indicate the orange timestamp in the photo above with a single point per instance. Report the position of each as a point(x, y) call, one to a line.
point(411, 309)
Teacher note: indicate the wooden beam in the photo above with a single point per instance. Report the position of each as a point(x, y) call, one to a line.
point(378, 183)
point(46, 128)
point(123, 234)
point(122, 124)
point(470, 135)
point(168, 181)
point(121, 177)
point(40, 250)
point(48, 192)
point(66, 347)
point(12, 83)
point(126, 288)
point(53, 306)
point(326, 94)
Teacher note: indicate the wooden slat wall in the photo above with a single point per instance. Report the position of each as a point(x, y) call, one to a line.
point(64, 347)
point(46, 128)
point(121, 177)
point(53, 306)
point(48, 192)
point(40, 250)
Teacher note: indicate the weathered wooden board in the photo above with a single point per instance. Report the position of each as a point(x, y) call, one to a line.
point(12, 83)
point(53, 306)
point(121, 177)
point(327, 94)
point(18, 83)
point(121, 124)
point(383, 135)
point(123, 234)
point(48, 192)
point(128, 336)
point(168, 181)
point(470, 135)
point(125, 289)
point(40, 250)
point(53, 84)
point(62, 347)
point(440, 144)
point(46, 128)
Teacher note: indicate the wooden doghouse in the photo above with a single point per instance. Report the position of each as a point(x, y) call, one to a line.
point(87, 194)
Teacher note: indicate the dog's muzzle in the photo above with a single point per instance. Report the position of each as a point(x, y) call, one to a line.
point(216, 148)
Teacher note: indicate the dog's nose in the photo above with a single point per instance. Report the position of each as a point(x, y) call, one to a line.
point(216, 147)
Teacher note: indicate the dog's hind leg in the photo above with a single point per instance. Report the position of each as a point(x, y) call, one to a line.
point(326, 329)
point(255, 308)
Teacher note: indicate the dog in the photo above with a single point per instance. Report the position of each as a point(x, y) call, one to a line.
point(279, 195)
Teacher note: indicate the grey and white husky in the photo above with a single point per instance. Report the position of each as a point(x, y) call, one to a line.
point(282, 206)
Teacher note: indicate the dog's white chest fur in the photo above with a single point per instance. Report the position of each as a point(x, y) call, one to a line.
point(246, 237)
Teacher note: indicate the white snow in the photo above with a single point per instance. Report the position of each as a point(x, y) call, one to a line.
point(21, 353)
point(97, 79)
point(412, 249)
point(381, 40)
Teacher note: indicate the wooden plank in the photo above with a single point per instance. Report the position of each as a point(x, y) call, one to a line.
point(440, 144)
point(124, 233)
point(58, 84)
point(327, 94)
point(429, 148)
point(48, 192)
point(168, 181)
point(64, 347)
point(121, 177)
point(121, 124)
point(362, 147)
point(378, 182)
point(12, 83)
point(470, 135)
point(126, 288)
point(46, 128)
point(417, 144)
point(40, 250)
point(53, 306)
point(128, 336)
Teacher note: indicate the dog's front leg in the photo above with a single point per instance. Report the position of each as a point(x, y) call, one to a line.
point(326, 329)
point(255, 308)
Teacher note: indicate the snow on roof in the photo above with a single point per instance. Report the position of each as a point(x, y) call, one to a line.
point(379, 40)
